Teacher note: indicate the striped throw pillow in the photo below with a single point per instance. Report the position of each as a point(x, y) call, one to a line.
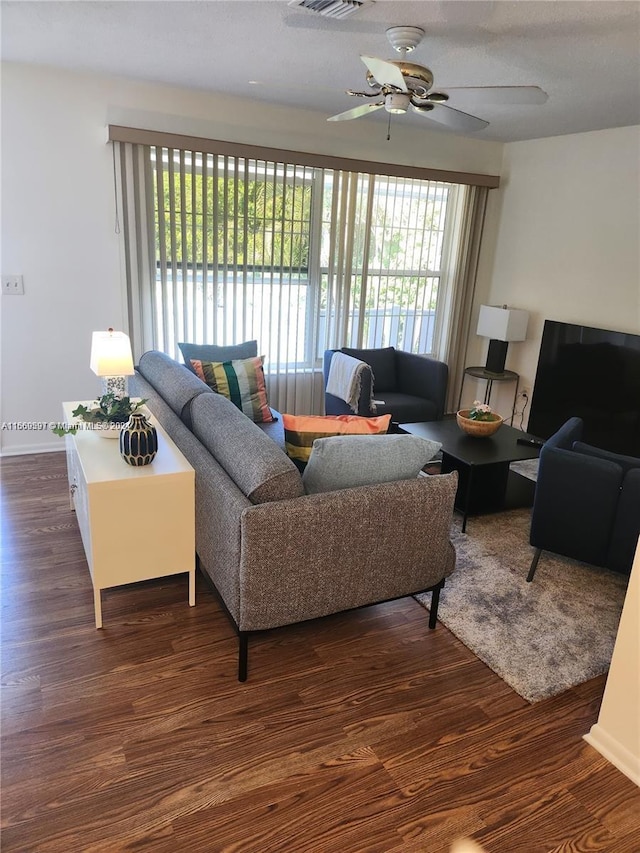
point(241, 381)
point(300, 431)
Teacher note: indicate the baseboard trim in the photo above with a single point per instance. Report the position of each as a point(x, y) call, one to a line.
point(615, 752)
point(31, 449)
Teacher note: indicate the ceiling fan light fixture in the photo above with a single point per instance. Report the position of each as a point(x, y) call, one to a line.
point(397, 102)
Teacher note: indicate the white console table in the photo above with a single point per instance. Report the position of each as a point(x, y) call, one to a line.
point(136, 523)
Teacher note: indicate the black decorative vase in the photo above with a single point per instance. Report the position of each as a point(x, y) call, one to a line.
point(138, 441)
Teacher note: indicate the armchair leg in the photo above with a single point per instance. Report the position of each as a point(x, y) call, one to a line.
point(534, 565)
point(435, 601)
point(243, 655)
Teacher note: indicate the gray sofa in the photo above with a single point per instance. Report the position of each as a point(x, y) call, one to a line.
point(274, 554)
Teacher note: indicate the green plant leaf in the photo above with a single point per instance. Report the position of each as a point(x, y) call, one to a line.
point(106, 409)
point(62, 431)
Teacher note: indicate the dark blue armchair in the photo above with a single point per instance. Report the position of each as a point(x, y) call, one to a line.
point(587, 502)
point(410, 387)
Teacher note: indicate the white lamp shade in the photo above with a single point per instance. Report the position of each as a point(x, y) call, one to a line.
point(111, 354)
point(502, 324)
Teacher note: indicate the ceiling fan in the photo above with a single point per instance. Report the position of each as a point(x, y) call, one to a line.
point(399, 85)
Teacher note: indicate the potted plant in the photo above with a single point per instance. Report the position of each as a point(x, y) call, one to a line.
point(479, 421)
point(107, 414)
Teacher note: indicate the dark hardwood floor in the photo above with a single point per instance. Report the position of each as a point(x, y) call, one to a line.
point(361, 732)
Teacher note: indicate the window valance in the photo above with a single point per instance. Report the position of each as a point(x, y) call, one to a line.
point(119, 133)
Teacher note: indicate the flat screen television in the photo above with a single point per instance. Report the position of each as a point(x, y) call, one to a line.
point(593, 374)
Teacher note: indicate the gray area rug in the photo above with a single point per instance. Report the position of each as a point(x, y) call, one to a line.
point(526, 468)
point(541, 637)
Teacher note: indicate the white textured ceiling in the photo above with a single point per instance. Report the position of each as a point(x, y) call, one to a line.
point(585, 55)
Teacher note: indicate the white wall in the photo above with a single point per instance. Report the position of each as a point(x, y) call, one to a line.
point(616, 735)
point(58, 221)
point(563, 241)
point(561, 237)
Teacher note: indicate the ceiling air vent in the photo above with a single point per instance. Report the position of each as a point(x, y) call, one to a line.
point(331, 8)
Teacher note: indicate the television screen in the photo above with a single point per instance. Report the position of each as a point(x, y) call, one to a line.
point(593, 374)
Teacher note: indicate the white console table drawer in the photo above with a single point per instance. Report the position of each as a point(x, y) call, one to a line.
point(136, 523)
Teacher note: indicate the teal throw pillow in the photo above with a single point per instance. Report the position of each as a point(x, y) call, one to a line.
point(342, 462)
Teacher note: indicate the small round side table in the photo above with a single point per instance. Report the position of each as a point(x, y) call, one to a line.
point(490, 378)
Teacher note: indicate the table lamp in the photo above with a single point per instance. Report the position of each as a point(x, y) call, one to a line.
point(501, 325)
point(111, 359)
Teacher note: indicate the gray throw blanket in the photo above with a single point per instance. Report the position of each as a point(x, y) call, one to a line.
point(345, 379)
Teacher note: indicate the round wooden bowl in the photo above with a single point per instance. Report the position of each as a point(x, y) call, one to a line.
point(478, 429)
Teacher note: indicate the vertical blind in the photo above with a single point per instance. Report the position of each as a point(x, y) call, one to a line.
point(232, 245)
point(222, 248)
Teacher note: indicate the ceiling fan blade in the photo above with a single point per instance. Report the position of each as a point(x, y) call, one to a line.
point(385, 73)
point(524, 95)
point(453, 119)
point(356, 112)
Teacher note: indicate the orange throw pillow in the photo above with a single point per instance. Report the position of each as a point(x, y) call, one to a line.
point(300, 431)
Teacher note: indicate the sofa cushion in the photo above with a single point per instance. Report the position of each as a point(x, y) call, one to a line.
point(406, 408)
point(383, 366)
point(213, 352)
point(300, 431)
point(177, 385)
point(241, 381)
point(344, 461)
point(258, 467)
point(274, 429)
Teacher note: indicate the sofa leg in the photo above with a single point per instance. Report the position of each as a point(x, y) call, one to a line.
point(435, 601)
point(534, 565)
point(243, 655)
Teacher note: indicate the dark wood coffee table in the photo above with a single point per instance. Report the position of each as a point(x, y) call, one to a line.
point(485, 483)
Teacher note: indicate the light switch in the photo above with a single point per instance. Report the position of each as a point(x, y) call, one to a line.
point(12, 285)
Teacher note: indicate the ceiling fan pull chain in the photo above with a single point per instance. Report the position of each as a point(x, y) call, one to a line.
point(389, 128)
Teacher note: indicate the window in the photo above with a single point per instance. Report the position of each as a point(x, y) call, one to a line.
point(234, 239)
point(223, 248)
point(394, 256)
point(231, 253)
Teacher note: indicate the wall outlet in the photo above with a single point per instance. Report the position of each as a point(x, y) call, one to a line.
point(12, 285)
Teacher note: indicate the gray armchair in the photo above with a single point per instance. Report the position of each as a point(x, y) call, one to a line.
point(587, 502)
point(410, 387)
